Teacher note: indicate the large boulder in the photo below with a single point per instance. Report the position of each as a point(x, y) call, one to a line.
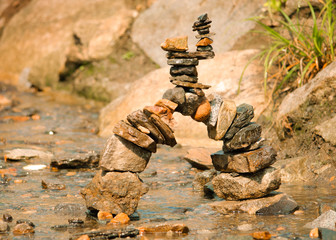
point(43, 36)
point(223, 73)
point(172, 18)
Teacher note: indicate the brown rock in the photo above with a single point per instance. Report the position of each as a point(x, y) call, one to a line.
point(203, 178)
point(261, 235)
point(166, 131)
point(23, 228)
point(84, 237)
point(203, 111)
point(183, 61)
point(243, 138)
point(158, 110)
point(226, 114)
point(198, 55)
point(246, 162)
point(273, 204)
point(167, 104)
point(191, 85)
point(121, 218)
point(184, 78)
point(114, 192)
point(122, 155)
point(179, 44)
point(102, 215)
point(204, 42)
point(138, 118)
point(199, 158)
point(133, 135)
point(247, 186)
point(178, 228)
point(143, 130)
point(176, 95)
point(183, 70)
point(315, 233)
point(52, 186)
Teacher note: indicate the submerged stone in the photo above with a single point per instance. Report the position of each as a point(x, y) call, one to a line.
point(114, 192)
point(244, 115)
point(325, 220)
point(247, 186)
point(243, 138)
point(122, 155)
point(246, 162)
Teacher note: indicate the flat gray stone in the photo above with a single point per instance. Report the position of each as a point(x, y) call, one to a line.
point(24, 154)
point(226, 114)
point(131, 134)
point(326, 220)
point(184, 78)
point(183, 61)
point(69, 160)
point(246, 162)
point(122, 155)
point(247, 186)
point(244, 115)
point(273, 204)
point(198, 55)
point(243, 138)
point(114, 192)
point(183, 70)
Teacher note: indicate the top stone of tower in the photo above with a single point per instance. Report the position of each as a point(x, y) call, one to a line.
point(203, 17)
point(177, 44)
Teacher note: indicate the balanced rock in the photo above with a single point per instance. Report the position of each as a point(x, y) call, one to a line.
point(247, 186)
point(198, 55)
point(114, 192)
point(167, 104)
point(243, 138)
point(244, 115)
point(183, 70)
point(189, 84)
point(202, 112)
point(184, 78)
point(133, 135)
point(176, 95)
point(204, 48)
point(139, 119)
point(201, 23)
point(199, 158)
point(175, 44)
point(166, 131)
point(183, 61)
point(226, 114)
point(122, 155)
point(246, 162)
point(158, 110)
point(204, 42)
point(215, 104)
point(201, 27)
point(203, 17)
point(274, 204)
point(191, 104)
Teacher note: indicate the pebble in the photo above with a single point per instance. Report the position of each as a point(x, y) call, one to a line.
point(121, 218)
point(30, 223)
point(7, 217)
point(184, 78)
point(102, 215)
point(183, 70)
point(75, 221)
point(183, 61)
point(34, 167)
point(23, 228)
point(203, 111)
point(204, 42)
point(178, 228)
point(261, 235)
point(298, 212)
point(245, 227)
point(204, 48)
point(3, 226)
point(315, 233)
point(52, 186)
point(167, 104)
point(83, 237)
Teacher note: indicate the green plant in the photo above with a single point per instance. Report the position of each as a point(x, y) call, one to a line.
point(128, 55)
point(302, 53)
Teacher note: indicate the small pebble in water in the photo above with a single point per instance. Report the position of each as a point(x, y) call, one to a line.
point(34, 167)
point(315, 233)
point(7, 217)
point(104, 215)
point(121, 218)
point(23, 228)
point(84, 237)
point(261, 235)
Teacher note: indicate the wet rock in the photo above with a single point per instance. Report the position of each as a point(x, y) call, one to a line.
point(102, 215)
point(198, 55)
point(176, 95)
point(226, 114)
point(199, 158)
point(24, 154)
point(184, 78)
point(75, 221)
point(23, 228)
point(247, 186)
point(166, 131)
point(52, 186)
point(122, 155)
point(243, 138)
point(133, 135)
point(315, 233)
point(114, 192)
point(192, 102)
point(243, 116)
point(178, 228)
point(325, 207)
point(4, 227)
point(204, 42)
point(138, 118)
point(120, 218)
point(175, 44)
point(183, 70)
point(327, 234)
point(203, 178)
point(202, 112)
point(67, 160)
point(183, 61)
point(326, 220)
point(7, 217)
point(261, 235)
point(190, 85)
point(84, 237)
point(30, 223)
point(245, 227)
point(273, 204)
point(215, 104)
point(109, 234)
point(245, 162)
point(70, 209)
point(167, 104)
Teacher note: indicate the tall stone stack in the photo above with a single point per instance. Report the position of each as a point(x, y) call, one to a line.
point(202, 26)
point(245, 160)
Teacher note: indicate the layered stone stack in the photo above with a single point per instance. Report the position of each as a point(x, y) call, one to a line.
point(202, 26)
point(245, 160)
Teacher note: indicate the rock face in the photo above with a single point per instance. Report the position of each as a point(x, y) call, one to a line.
point(246, 162)
point(122, 155)
point(247, 186)
point(276, 204)
point(114, 192)
point(164, 18)
point(70, 31)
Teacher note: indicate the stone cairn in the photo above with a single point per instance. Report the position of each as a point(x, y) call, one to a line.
point(117, 188)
